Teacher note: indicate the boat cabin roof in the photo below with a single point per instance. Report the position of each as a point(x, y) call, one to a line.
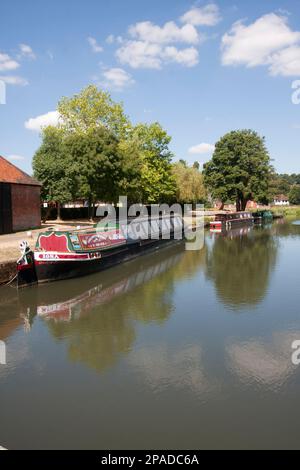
point(233, 216)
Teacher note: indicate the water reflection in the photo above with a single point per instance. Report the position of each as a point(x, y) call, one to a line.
point(184, 368)
point(240, 264)
point(99, 323)
point(150, 352)
point(15, 311)
point(263, 361)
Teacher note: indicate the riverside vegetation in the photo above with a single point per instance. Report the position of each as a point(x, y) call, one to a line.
point(96, 153)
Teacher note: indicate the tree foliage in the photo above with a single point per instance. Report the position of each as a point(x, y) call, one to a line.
point(239, 169)
point(98, 154)
point(51, 168)
point(90, 109)
point(294, 194)
point(282, 184)
point(156, 180)
point(189, 183)
point(96, 164)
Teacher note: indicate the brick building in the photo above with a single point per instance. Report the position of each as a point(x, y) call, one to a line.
point(20, 206)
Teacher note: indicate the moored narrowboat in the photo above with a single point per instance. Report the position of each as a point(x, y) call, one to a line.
point(262, 216)
point(68, 254)
point(230, 220)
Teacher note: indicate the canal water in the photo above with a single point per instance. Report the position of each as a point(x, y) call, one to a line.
point(177, 349)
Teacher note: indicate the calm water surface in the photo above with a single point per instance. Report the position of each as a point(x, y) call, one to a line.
point(178, 349)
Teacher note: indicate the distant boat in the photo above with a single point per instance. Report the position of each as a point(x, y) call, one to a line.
point(69, 254)
point(230, 220)
point(263, 216)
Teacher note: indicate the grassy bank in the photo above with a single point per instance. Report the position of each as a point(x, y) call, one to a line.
point(291, 211)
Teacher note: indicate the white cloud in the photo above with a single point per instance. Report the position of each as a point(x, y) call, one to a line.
point(267, 41)
point(141, 54)
point(44, 120)
point(201, 149)
point(152, 46)
point(26, 51)
point(13, 80)
point(14, 157)
point(206, 16)
point(286, 62)
point(116, 79)
point(94, 45)
point(187, 57)
point(169, 33)
point(7, 63)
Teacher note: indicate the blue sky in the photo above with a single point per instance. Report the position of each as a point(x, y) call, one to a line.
point(199, 68)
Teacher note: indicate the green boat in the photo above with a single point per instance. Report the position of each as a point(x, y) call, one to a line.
point(262, 216)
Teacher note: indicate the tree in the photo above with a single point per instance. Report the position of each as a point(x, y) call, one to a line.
point(50, 165)
point(294, 194)
point(90, 109)
point(106, 155)
point(96, 165)
point(189, 184)
point(239, 169)
point(157, 182)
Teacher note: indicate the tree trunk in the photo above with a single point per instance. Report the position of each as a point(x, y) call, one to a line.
point(90, 209)
point(244, 204)
point(241, 204)
point(58, 211)
point(46, 216)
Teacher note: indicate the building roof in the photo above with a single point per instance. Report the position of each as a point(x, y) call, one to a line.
point(281, 197)
point(9, 173)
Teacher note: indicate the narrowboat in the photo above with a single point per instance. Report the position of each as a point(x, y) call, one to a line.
point(68, 254)
point(230, 220)
point(262, 217)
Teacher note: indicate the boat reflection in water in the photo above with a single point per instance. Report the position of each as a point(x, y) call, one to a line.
point(98, 323)
point(123, 282)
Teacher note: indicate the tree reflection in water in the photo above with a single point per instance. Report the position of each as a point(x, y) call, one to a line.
point(240, 265)
point(101, 322)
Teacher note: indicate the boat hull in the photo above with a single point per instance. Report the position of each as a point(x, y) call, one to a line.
point(228, 224)
point(54, 270)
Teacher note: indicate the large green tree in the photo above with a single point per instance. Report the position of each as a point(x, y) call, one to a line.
point(96, 165)
point(239, 169)
point(104, 154)
point(90, 109)
point(50, 165)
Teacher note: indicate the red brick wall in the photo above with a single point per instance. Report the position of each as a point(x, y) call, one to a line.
point(26, 206)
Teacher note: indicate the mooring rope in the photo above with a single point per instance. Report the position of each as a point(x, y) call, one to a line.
point(11, 280)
